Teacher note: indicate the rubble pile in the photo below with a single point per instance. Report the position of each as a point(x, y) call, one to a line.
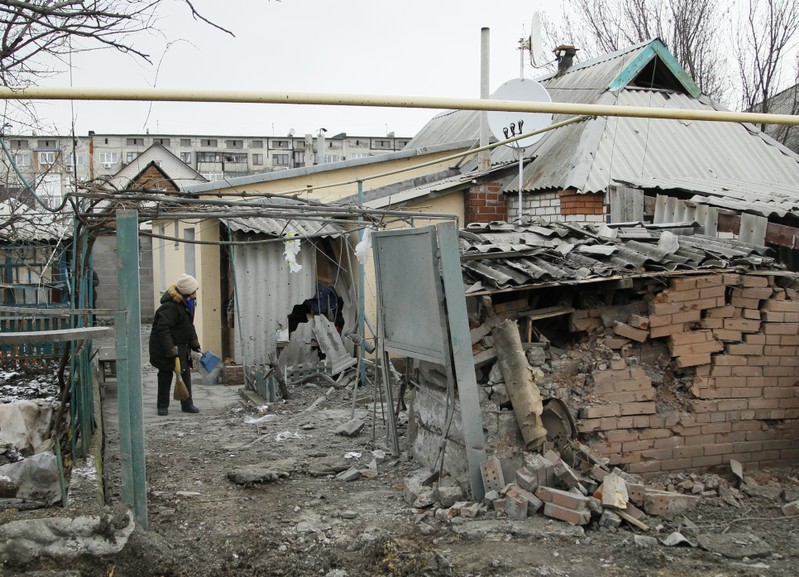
point(585, 492)
point(677, 374)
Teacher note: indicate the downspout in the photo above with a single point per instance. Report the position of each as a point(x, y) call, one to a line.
point(484, 157)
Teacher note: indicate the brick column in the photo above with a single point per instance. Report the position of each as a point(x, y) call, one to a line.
point(485, 203)
point(572, 203)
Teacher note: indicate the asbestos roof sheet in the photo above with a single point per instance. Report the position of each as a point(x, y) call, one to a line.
point(500, 256)
point(21, 223)
point(279, 227)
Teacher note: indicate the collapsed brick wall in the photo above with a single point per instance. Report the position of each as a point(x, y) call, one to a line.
point(736, 338)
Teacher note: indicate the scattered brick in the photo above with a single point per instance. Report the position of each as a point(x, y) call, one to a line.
point(625, 330)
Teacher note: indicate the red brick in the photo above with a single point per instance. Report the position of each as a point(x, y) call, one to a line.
point(689, 316)
point(567, 515)
point(742, 303)
point(781, 306)
point(664, 331)
point(663, 309)
point(754, 281)
point(727, 335)
point(708, 461)
point(645, 408)
point(743, 325)
point(718, 449)
point(712, 323)
point(692, 360)
point(646, 467)
point(756, 293)
point(713, 346)
point(746, 350)
point(683, 284)
point(688, 452)
point(629, 332)
point(562, 498)
point(755, 339)
point(600, 411)
point(731, 279)
point(721, 312)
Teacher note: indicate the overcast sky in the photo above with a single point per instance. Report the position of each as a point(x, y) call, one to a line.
point(394, 47)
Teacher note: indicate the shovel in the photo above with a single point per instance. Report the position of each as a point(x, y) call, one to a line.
point(181, 392)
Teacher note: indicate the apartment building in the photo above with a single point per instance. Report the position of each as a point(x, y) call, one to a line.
point(53, 164)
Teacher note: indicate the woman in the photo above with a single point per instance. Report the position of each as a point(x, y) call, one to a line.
point(173, 338)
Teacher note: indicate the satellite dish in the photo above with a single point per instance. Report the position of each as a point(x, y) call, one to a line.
point(291, 132)
point(504, 124)
point(537, 57)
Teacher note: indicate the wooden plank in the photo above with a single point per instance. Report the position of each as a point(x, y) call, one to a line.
point(56, 336)
point(545, 313)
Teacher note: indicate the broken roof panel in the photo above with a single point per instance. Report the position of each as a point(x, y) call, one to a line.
point(487, 259)
point(279, 227)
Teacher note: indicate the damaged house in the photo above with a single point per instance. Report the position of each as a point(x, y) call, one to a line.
point(730, 177)
point(650, 349)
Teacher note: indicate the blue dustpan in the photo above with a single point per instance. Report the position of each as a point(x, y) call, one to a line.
point(209, 361)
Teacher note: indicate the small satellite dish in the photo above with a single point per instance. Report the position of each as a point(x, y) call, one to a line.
point(291, 132)
point(537, 57)
point(504, 124)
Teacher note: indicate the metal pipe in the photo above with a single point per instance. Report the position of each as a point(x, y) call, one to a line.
point(484, 157)
point(385, 101)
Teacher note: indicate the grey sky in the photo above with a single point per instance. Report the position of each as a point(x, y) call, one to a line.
point(408, 47)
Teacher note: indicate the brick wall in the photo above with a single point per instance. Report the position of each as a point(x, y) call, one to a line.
point(152, 177)
point(545, 205)
point(485, 203)
point(574, 204)
point(735, 339)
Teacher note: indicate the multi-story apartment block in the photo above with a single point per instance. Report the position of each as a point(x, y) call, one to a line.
point(53, 164)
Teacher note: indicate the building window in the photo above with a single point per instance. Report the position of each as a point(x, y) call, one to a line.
point(358, 155)
point(280, 144)
point(130, 157)
point(257, 159)
point(299, 158)
point(257, 144)
point(107, 159)
point(299, 145)
point(47, 157)
point(234, 144)
point(161, 141)
point(185, 157)
point(236, 158)
point(22, 159)
point(384, 144)
point(19, 144)
point(213, 176)
point(185, 141)
point(74, 159)
point(280, 160)
point(135, 142)
point(208, 142)
point(209, 157)
point(46, 144)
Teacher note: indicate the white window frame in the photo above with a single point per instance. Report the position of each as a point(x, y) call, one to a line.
point(47, 157)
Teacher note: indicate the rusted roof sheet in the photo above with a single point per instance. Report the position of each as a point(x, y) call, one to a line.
point(499, 256)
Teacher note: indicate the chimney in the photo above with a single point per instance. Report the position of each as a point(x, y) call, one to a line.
point(565, 55)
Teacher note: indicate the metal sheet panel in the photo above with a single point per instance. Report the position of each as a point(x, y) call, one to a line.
point(266, 291)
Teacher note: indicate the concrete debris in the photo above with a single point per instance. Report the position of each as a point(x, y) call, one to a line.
point(351, 428)
point(676, 538)
point(351, 474)
point(34, 478)
point(735, 545)
point(64, 537)
point(255, 475)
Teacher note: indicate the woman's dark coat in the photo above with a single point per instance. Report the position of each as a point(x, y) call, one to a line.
point(173, 332)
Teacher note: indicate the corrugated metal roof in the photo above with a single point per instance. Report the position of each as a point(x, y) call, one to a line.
point(731, 165)
point(500, 256)
point(279, 227)
point(763, 198)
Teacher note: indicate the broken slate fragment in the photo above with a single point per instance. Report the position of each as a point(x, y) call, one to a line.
point(351, 474)
point(735, 545)
point(350, 428)
point(255, 475)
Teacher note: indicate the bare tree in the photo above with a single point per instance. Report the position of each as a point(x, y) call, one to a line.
point(688, 27)
point(37, 34)
point(766, 32)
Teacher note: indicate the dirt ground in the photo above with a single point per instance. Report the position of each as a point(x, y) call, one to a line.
point(308, 522)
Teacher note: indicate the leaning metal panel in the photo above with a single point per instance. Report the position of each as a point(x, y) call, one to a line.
point(410, 294)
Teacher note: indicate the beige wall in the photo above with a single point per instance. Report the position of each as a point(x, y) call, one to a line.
point(326, 186)
point(206, 262)
point(449, 204)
